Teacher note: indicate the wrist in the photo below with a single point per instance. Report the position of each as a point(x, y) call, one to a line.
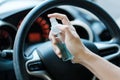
point(83, 56)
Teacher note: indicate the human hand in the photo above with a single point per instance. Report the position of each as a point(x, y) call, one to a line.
point(96, 64)
point(69, 37)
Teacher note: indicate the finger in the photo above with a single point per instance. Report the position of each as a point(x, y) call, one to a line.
point(50, 35)
point(53, 39)
point(61, 17)
point(66, 28)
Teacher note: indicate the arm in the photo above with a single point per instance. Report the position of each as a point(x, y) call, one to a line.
point(103, 69)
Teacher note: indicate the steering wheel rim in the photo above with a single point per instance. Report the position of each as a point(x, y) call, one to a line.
point(18, 56)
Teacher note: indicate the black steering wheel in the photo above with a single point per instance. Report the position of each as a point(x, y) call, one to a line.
point(42, 63)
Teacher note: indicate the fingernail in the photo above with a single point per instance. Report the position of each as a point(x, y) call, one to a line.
point(48, 15)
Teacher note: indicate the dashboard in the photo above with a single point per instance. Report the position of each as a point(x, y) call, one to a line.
point(87, 25)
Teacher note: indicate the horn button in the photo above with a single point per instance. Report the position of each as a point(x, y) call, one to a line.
point(59, 69)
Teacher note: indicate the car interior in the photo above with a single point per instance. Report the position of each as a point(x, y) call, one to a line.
point(26, 52)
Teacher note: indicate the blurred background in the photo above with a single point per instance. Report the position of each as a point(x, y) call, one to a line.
point(111, 6)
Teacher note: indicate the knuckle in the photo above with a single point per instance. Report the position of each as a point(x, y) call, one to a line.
point(64, 15)
point(56, 13)
point(54, 42)
point(58, 52)
point(66, 28)
point(49, 37)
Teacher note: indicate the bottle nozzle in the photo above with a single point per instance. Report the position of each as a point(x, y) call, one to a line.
point(53, 21)
point(54, 24)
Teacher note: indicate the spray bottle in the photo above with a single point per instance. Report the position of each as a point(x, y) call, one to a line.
point(66, 55)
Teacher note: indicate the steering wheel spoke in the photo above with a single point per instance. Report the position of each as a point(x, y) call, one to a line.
point(108, 50)
point(35, 67)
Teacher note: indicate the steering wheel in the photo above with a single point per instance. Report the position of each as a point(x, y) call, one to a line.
point(42, 63)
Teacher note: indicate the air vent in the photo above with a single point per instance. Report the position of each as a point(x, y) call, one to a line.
point(108, 51)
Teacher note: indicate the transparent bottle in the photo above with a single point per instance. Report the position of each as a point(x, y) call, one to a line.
point(66, 55)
